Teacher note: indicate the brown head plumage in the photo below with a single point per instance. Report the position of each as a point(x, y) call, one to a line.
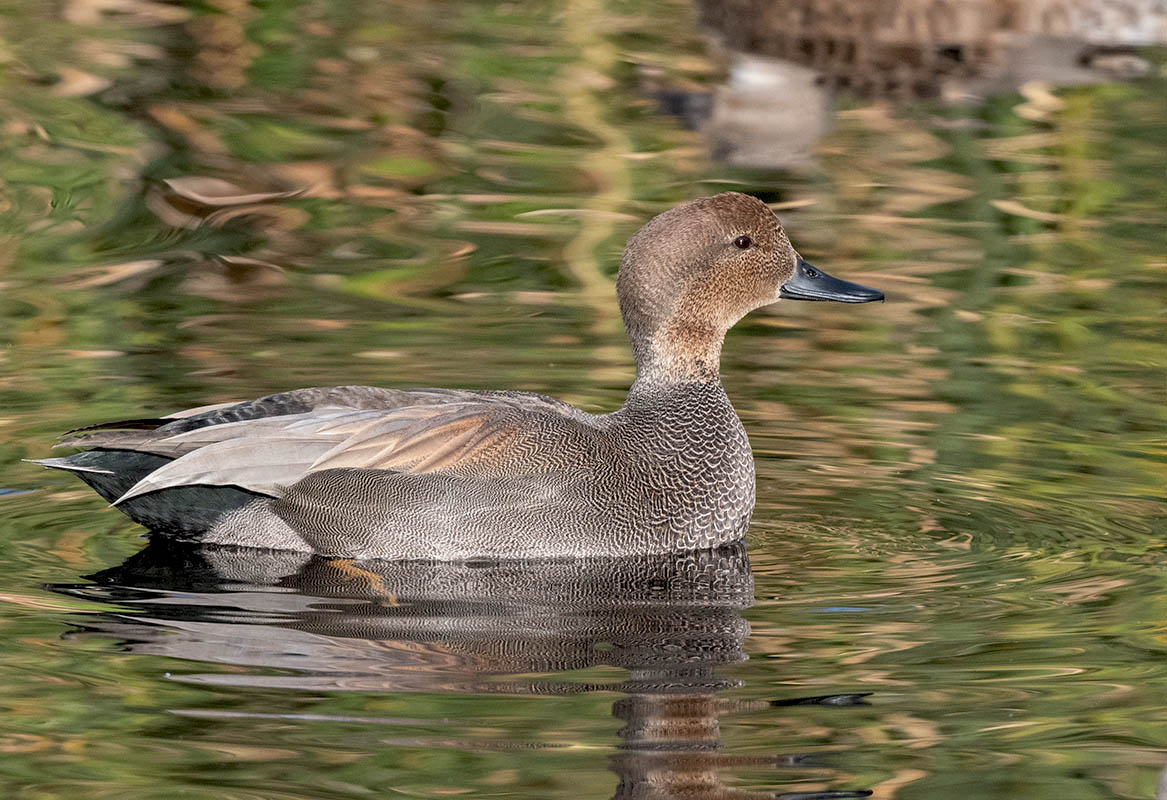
point(692, 272)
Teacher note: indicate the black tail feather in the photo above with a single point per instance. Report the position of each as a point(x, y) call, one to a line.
point(182, 511)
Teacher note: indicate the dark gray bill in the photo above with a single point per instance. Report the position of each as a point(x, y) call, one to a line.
point(811, 283)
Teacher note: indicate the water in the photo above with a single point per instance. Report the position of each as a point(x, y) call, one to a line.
point(959, 534)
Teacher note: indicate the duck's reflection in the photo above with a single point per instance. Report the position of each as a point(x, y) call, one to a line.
point(671, 621)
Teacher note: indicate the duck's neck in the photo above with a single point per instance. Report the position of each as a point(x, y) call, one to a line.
point(679, 354)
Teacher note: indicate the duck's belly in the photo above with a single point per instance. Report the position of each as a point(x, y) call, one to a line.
point(376, 514)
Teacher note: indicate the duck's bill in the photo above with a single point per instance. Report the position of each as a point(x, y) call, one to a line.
point(811, 283)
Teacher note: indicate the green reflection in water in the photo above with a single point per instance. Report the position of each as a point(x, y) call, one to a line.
point(960, 492)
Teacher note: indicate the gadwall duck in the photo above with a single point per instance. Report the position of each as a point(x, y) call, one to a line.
point(364, 472)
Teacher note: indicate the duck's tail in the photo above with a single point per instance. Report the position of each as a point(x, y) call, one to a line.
point(185, 511)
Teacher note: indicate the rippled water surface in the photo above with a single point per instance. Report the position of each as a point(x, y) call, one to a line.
point(954, 585)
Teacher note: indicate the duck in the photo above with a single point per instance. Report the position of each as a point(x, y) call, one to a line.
point(362, 472)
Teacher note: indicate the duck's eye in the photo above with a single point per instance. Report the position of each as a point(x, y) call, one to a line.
point(743, 242)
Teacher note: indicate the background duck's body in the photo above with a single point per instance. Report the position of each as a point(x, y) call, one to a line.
point(363, 472)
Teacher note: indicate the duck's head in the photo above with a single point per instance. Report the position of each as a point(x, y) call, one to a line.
point(692, 272)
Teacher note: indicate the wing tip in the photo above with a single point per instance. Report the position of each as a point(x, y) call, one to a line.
point(63, 464)
point(136, 490)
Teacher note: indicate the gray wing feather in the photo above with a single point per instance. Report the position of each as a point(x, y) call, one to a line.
point(258, 464)
point(67, 465)
point(163, 442)
point(272, 442)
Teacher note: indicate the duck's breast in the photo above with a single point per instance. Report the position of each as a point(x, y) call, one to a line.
point(693, 467)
